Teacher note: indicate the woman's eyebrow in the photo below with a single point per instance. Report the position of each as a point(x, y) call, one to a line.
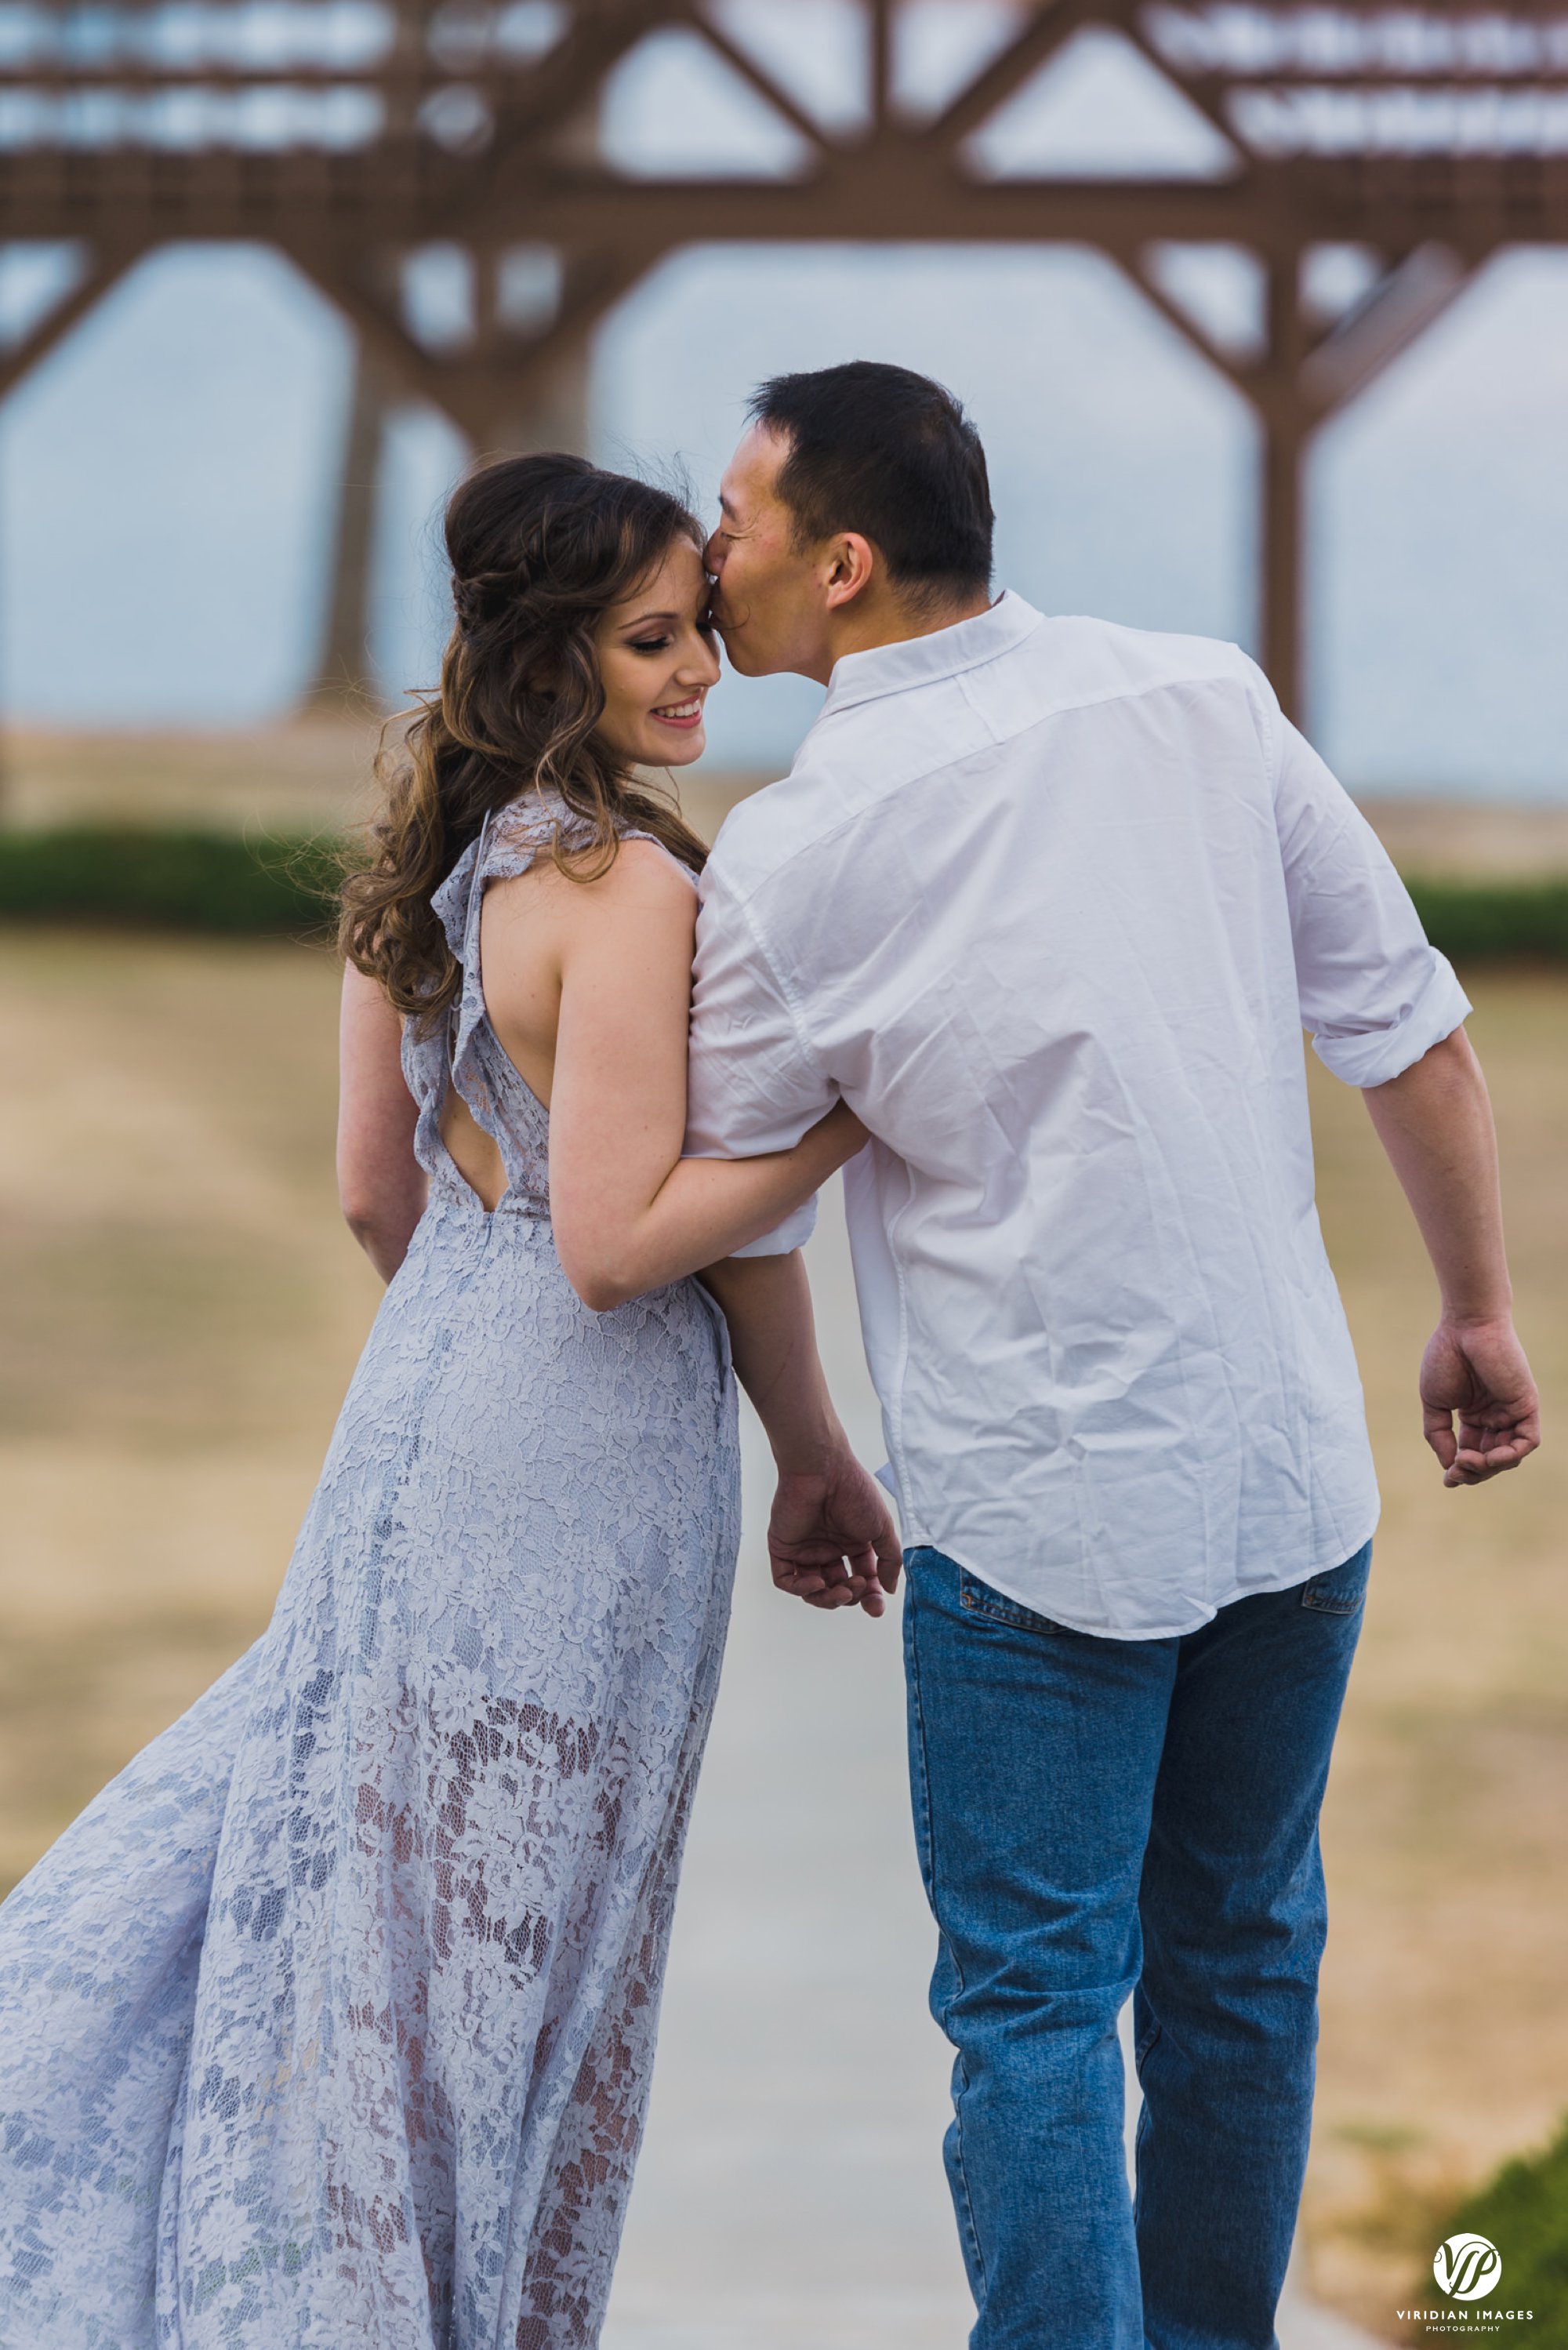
point(645, 620)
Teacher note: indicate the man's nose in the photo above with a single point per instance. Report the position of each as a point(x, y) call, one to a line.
point(711, 554)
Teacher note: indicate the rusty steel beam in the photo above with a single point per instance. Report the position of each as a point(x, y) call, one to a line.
point(491, 385)
point(1230, 364)
point(889, 194)
point(571, 75)
point(880, 195)
point(742, 62)
point(343, 672)
point(1287, 424)
point(66, 77)
point(1377, 80)
point(348, 218)
point(1294, 384)
point(1048, 25)
point(1192, 88)
point(1281, 642)
point(19, 358)
point(1411, 297)
point(882, 29)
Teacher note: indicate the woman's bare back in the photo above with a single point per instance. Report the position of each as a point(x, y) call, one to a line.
point(529, 922)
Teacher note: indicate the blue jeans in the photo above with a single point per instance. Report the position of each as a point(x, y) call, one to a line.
point(1099, 1819)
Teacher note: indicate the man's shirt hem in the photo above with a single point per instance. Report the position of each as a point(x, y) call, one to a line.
point(1038, 1602)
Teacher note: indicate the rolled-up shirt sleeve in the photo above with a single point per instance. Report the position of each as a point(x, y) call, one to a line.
point(1375, 996)
point(752, 1084)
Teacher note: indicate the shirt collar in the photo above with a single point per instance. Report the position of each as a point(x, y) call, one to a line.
point(921, 660)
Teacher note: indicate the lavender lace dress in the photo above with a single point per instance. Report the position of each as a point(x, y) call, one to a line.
point(330, 2022)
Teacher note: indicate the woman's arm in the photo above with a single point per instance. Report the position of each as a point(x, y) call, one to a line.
point(629, 1214)
point(381, 1183)
point(831, 1539)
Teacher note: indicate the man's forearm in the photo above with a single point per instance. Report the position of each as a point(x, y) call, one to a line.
point(831, 1537)
point(1479, 1406)
point(1434, 1122)
point(767, 1301)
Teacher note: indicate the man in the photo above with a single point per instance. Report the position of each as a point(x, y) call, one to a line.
point(1049, 902)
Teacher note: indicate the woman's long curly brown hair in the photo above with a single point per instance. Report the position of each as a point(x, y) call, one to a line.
point(541, 548)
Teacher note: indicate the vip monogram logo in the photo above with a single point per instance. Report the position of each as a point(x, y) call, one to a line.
point(1467, 2266)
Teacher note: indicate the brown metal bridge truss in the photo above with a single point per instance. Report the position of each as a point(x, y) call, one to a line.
point(353, 134)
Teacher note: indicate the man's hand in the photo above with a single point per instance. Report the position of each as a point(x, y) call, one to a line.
point(1478, 1371)
point(831, 1539)
point(1434, 1122)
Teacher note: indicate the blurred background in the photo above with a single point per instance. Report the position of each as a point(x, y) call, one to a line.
point(1262, 312)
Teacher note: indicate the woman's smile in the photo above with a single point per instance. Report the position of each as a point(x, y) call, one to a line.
point(684, 715)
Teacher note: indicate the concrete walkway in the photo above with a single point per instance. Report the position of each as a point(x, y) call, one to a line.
point(791, 2194)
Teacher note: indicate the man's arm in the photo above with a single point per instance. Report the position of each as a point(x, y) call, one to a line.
point(754, 1087)
point(831, 1538)
point(1434, 1122)
point(1386, 1014)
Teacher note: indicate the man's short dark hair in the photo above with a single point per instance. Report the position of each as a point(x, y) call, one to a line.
point(891, 454)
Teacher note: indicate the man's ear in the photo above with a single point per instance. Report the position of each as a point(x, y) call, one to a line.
point(851, 562)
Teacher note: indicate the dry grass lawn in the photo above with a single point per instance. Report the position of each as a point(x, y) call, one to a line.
point(182, 1313)
point(1445, 2041)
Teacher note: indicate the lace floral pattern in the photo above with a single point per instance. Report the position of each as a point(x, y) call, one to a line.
point(330, 2023)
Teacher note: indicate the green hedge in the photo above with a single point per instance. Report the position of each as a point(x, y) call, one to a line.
point(192, 880)
point(1495, 921)
point(1524, 2212)
point(180, 881)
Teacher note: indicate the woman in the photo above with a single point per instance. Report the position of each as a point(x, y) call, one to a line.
point(330, 2023)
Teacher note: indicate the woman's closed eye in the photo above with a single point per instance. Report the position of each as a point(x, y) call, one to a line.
point(662, 642)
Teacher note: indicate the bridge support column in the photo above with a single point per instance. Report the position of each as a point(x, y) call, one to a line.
point(1273, 384)
point(1282, 553)
point(546, 409)
point(345, 671)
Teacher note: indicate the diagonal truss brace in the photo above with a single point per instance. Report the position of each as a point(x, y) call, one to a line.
point(494, 368)
point(1332, 371)
point(106, 269)
point(1229, 363)
point(1395, 313)
point(756, 77)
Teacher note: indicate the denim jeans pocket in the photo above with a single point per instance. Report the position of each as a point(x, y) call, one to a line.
point(1342, 1589)
point(978, 1598)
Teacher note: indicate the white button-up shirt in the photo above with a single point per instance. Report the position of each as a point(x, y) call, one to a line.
point(1050, 902)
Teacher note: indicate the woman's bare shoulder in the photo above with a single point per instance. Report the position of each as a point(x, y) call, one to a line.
point(642, 882)
point(640, 870)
